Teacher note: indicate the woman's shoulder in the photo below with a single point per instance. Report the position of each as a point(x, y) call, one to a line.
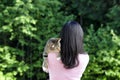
point(84, 56)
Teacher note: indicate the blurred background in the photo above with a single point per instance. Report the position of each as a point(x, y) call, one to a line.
point(26, 25)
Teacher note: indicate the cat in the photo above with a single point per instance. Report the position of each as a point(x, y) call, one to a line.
point(52, 45)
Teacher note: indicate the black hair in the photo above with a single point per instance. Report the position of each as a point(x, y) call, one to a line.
point(71, 44)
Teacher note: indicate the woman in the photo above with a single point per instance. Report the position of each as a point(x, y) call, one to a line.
point(73, 60)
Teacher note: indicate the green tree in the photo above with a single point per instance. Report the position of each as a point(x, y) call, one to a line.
point(113, 15)
point(25, 26)
point(95, 12)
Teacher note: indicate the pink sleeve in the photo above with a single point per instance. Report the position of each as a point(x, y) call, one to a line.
point(84, 60)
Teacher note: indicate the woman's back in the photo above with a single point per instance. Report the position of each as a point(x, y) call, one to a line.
point(57, 71)
point(73, 60)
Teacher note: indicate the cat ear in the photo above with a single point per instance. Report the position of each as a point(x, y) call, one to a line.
point(59, 40)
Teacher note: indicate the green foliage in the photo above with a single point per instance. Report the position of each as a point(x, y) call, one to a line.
point(103, 47)
point(113, 15)
point(95, 12)
point(9, 65)
point(25, 26)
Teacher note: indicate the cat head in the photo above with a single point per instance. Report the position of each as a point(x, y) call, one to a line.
point(53, 45)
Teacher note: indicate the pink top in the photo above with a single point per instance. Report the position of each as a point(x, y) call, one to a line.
point(58, 72)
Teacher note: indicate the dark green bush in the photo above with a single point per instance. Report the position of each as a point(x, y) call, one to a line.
point(103, 47)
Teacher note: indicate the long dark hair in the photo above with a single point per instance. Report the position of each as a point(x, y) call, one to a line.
point(71, 44)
